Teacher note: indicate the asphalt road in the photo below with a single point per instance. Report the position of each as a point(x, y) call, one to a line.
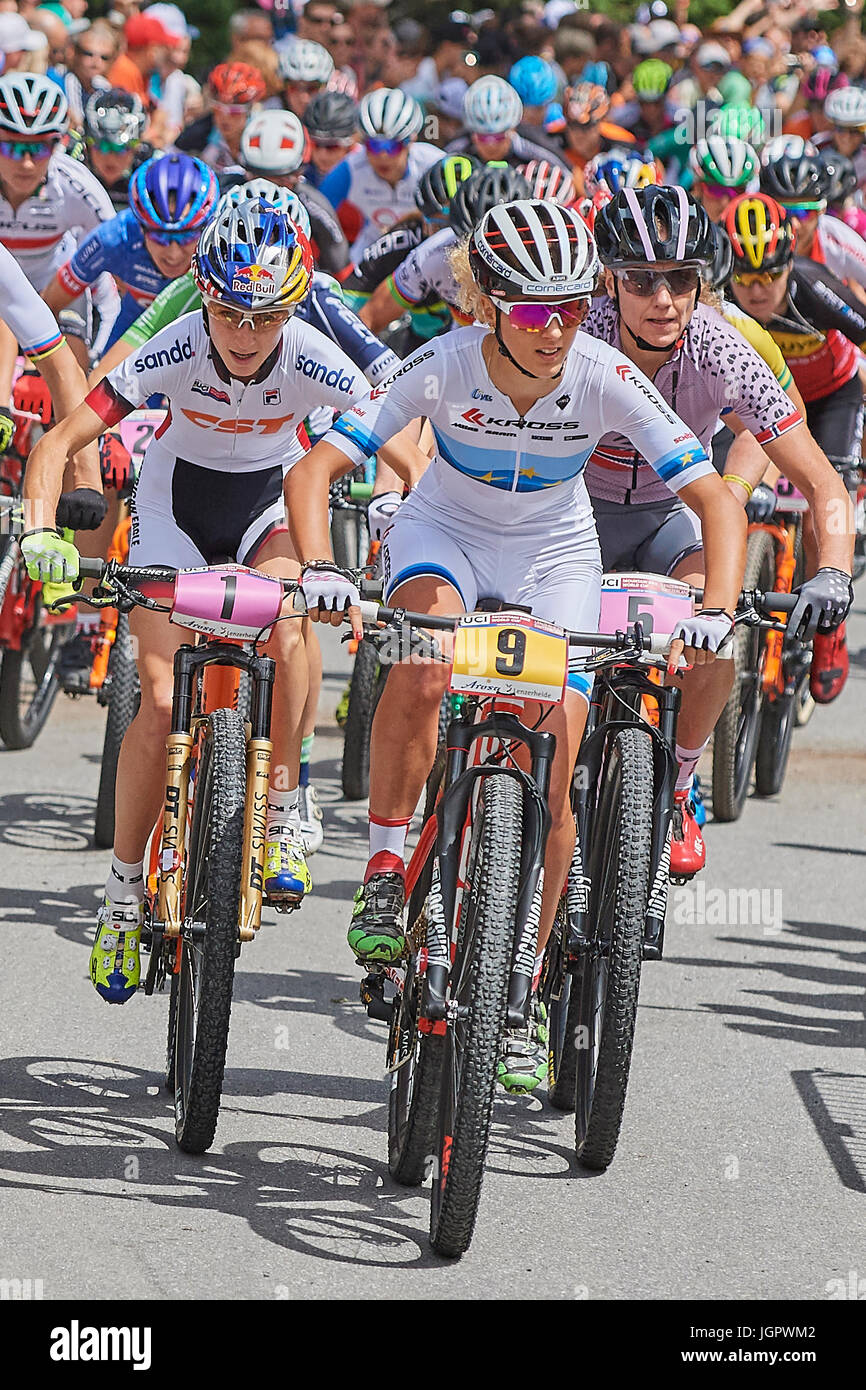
point(741, 1171)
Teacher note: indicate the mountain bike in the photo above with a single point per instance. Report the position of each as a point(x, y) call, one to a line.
point(205, 885)
point(612, 916)
point(474, 884)
point(30, 637)
point(771, 686)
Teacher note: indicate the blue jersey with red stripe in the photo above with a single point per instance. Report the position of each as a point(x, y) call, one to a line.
point(118, 247)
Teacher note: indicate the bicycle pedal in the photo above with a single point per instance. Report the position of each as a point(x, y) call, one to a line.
point(679, 879)
point(284, 905)
point(372, 994)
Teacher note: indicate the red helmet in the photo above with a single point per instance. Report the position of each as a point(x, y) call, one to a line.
point(237, 84)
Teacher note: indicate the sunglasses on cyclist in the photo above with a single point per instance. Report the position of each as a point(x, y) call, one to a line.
point(800, 211)
point(850, 130)
point(334, 144)
point(174, 238)
point(645, 283)
point(758, 277)
point(20, 149)
point(532, 317)
point(719, 190)
point(259, 321)
point(232, 108)
point(489, 139)
point(379, 145)
point(109, 146)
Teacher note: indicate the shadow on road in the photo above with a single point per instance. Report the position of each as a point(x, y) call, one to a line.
point(836, 1104)
point(55, 822)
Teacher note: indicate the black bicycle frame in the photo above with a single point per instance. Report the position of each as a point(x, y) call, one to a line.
point(621, 687)
point(189, 660)
point(451, 815)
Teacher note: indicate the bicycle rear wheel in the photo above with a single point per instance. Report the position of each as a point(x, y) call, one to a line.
point(774, 743)
point(349, 537)
point(209, 944)
point(123, 699)
point(479, 996)
point(29, 679)
point(563, 1005)
point(736, 733)
point(365, 690)
point(609, 977)
point(416, 1056)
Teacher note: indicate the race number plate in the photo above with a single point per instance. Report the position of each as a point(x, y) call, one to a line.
point(510, 654)
point(789, 498)
point(226, 601)
point(138, 428)
point(653, 600)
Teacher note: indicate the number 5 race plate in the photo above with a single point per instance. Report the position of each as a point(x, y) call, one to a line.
point(510, 654)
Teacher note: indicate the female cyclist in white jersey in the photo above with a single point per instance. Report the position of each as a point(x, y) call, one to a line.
point(516, 407)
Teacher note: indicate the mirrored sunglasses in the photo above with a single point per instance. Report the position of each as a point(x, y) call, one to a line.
point(20, 149)
point(758, 277)
point(377, 145)
point(646, 283)
point(532, 317)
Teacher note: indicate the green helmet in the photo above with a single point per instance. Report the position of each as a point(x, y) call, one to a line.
point(736, 89)
point(651, 79)
point(740, 122)
point(725, 161)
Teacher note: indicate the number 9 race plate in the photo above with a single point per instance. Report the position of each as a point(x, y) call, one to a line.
point(510, 654)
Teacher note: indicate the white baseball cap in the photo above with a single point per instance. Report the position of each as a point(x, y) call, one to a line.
point(16, 36)
point(173, 19)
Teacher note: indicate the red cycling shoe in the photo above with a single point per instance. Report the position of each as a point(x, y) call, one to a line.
point(688, 852)
point(829, 665)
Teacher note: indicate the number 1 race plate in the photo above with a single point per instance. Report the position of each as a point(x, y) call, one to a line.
point(510, 654)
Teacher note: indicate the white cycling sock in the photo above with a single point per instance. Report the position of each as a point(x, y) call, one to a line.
point(283, 811)
point(388, 836)
point(688, 759)
point(125, 883)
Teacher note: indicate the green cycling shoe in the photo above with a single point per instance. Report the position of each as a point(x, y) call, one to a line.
point(115, 962)
point(376, 933)
point(522, 1064)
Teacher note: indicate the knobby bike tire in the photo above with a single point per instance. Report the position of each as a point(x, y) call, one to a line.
point(211, 898)
point(736, 734)
point(609, 978)
point(123, 700)
point(365, 691)
point(23, 713)
point(349, 537)
point(774, 744)
point(479, 988)
point(8, 562)
point(414, 1096)
point(563, 1010)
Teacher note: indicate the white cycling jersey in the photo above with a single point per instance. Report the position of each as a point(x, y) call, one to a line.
point(841, 249)
point(503, 466)
point(218, 421)
point(427, 270)
point(368, 206)
point(25, 311)
point(44, 231)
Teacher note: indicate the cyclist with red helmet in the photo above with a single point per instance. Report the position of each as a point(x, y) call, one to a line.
point(235, 89)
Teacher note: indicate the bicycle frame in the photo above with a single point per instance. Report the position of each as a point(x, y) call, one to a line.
point(624, 685)
point(445, 829)
point(774, 680)
point(190, 663)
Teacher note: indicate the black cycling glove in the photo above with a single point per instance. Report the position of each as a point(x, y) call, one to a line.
point(82, 510)
point(823, 603)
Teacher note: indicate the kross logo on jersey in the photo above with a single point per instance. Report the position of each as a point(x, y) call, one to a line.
point(626, 373)
point(213, 392)
point(477, 417)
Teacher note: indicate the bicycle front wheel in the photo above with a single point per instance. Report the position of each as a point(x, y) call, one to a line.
point(29, 680)
point(736, 733)
point(123, 698)
point(479, 996)
point(609, 976)
point(209, 944)
point(365, 690)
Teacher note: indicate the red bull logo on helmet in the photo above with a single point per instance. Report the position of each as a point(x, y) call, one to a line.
point(253, 279)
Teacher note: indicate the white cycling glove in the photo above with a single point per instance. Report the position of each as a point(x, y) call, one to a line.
point(328, 588)
point(380, 513)
point(710, 630)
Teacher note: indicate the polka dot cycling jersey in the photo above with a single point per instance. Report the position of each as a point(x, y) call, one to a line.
point(500, 464)
point(713, 372)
